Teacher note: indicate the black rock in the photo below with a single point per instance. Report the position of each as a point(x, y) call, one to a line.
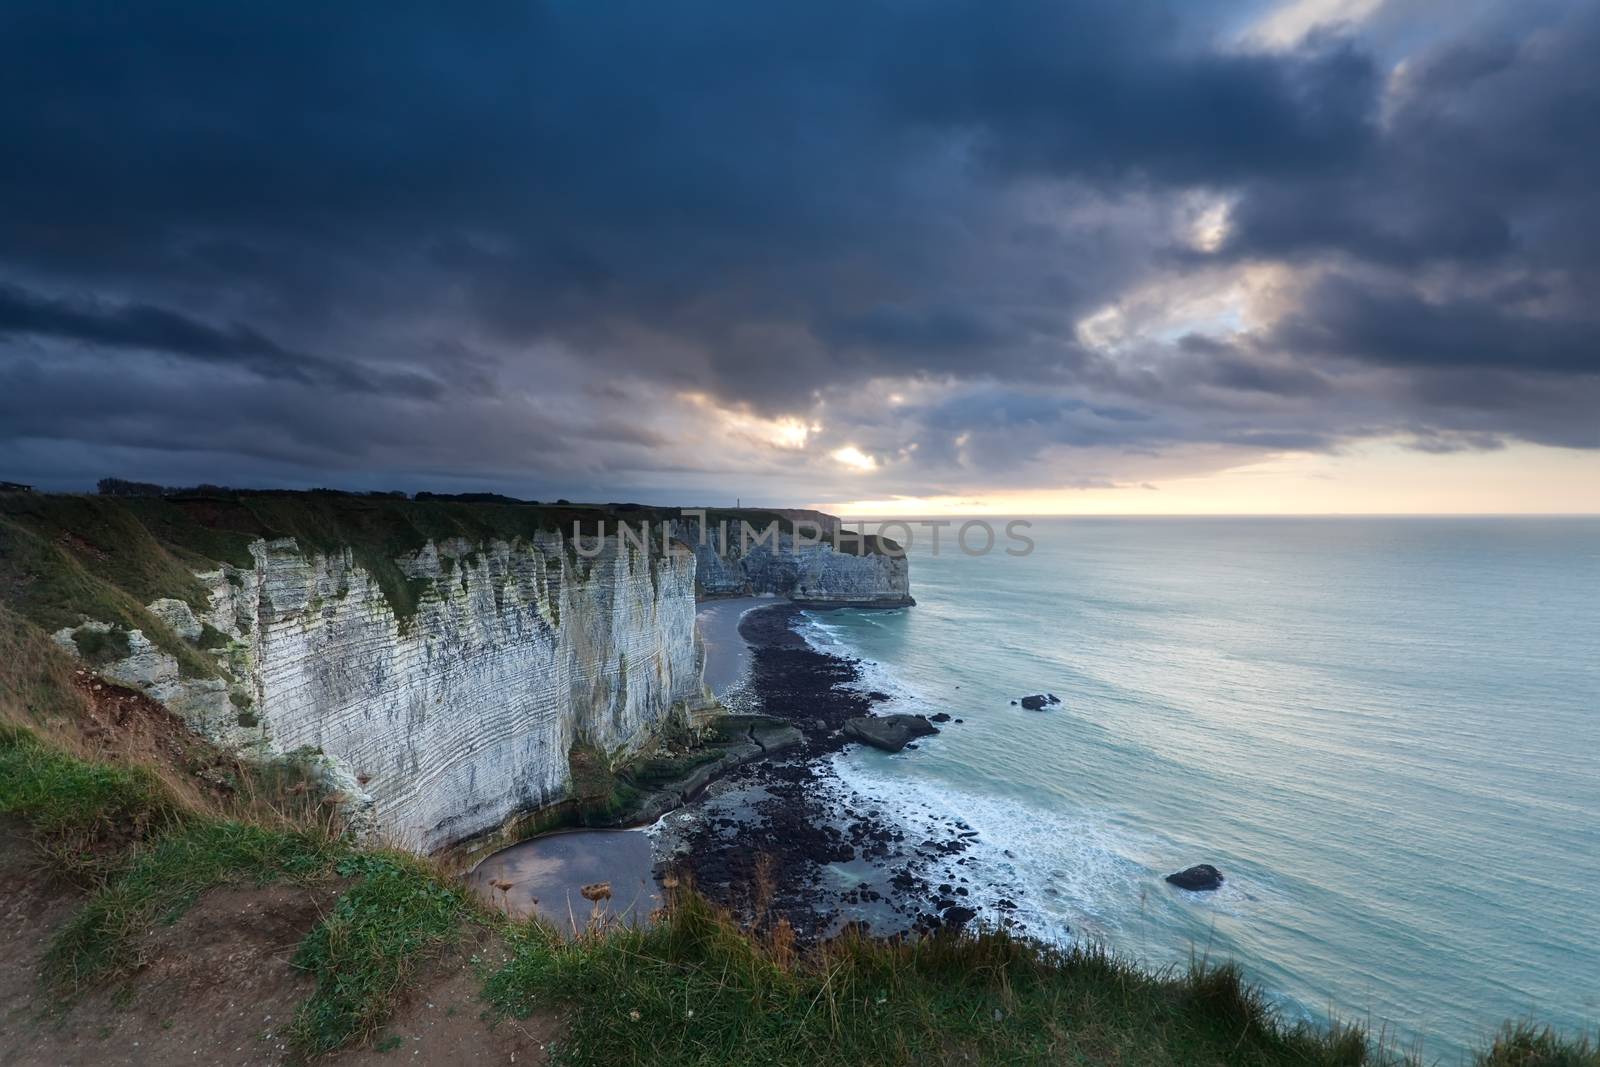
point(1036, 702)
point(1052, 698)
point(1013, 703)
point(957, 917)
point(888, 732)
point(1199, 878)
point(940, 717)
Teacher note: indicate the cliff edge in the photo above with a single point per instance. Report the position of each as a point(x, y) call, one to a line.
point(438, 660)
point(807, 556)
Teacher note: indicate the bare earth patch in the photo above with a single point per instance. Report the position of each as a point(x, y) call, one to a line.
point(217, 986)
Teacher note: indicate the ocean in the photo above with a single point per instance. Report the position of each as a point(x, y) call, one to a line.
point(1385, 732)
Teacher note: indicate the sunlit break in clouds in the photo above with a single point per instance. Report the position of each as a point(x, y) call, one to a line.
point(1324, 255)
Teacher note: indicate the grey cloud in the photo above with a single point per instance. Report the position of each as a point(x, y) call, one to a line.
point(1397, 327)
point(161, 330)
point(366, 208)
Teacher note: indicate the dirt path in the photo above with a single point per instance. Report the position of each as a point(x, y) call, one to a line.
point(218, 988)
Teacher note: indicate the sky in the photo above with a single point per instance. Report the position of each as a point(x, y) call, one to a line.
point(879, 256)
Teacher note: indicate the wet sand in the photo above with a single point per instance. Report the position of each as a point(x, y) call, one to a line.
point(548, 872)
point(727, 653)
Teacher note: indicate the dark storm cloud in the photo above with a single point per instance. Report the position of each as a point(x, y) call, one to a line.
point(1489, 155)
point(490, 211)
point(1110, 92)
point(1398, 327)
point(938, 330)
point(160, 330)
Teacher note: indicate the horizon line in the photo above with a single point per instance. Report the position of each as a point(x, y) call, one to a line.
point(1221, 515)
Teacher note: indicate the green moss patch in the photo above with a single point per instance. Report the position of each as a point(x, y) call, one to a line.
point(212, 638)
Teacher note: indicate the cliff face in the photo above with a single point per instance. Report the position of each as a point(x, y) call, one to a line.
point(840, 570)
point(438, 660)
point(446, 723)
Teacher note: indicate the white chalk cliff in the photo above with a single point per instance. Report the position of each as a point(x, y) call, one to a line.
point(443, 724)
point(803, 565)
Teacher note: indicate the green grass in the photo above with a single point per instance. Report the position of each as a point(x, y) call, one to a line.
point(163, 879)
point(145, 856)
point(696, 990)
point(365, 953)
point(693, 989)
point(1524, 1044)
point(55, 577)
point(109, 541)
point(71, 803)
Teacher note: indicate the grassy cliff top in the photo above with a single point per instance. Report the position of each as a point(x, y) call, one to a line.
point(68, 557)
point(211, 527)
point(202, 528)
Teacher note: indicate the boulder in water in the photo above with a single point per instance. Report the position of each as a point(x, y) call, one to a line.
point(1036, 702)
point(1201, 877)
point(888, 732)
point(942, 716)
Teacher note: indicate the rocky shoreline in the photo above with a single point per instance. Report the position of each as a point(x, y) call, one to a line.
point(783, 838)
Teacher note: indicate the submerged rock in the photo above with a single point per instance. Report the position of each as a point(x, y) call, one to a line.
point(942, 716)
point(1199, 878)
point(888, 732)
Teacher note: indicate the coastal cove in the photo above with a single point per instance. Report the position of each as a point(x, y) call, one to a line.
point(774, 837)
point(1383, 731)
point(1179, 742)
point(867, 534)
point(1379, 731)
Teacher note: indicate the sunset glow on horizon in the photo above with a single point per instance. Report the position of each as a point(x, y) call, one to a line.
point(1369, 480)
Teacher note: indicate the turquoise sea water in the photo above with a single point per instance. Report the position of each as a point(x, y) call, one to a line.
point(1386, 732)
